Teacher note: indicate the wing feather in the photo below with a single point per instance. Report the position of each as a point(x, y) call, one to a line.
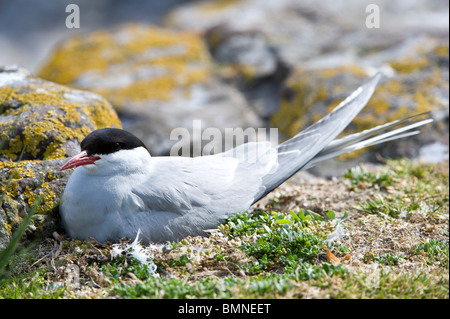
point(194, 194)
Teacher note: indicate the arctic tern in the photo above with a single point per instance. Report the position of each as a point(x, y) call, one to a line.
point(118, 190)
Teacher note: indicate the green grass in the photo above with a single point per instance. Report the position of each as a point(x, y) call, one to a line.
point(406, 187)
point(271, 254)
point(281, 241)
point(359, 177)
point(382, 206)
point(388, 259)
point(391, 283)
point(436, 252)
point(31, 287)
point(283, 249)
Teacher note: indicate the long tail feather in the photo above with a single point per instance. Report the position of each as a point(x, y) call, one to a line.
point(377, 135)
point(296, 152)
point(317, 143)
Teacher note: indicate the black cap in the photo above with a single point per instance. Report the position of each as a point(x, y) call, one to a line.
point(110, 140)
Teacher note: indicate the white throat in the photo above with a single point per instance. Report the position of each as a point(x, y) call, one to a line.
point(123, 161)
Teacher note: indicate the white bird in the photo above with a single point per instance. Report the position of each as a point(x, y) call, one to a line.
point(118, 189)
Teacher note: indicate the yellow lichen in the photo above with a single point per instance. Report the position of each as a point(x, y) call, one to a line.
point(290, 118)
point(346, 68)
point(46, 195)
point(12, 173)
point(54, 151)
point(101, 115)
point(293, 114)
point(217, 5)
point(181, 60)
point(5, 93)
point(421, 56)
point(8, 228)
point(43, 112)
point(16, 200)
point(408, 65)
point(37, 119)
point(395, 98)
point(442, 50)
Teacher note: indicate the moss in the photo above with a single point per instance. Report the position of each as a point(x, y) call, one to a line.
point(180, 58)
point(273, 253)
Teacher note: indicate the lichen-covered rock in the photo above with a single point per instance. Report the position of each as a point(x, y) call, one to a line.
point(132, 63)
point(160, 79)
point(41, 123)
point(156, 78)
point(28, 184)
point(415, 81)
point(316, 34)
point(304, 31)
point(292, 26)
point(40, 120)
point(248, 61)
point(247, 51)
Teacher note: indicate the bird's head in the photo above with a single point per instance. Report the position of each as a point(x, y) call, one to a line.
point(107, 145)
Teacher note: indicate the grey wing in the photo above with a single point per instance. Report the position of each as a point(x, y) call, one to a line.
point(215, 187)
point(296, 152)
point(185, 196)
point(180, 184)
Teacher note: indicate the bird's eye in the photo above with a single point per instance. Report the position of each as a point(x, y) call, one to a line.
point(117, 146)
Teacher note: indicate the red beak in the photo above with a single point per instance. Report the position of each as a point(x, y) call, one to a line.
point(80, 160)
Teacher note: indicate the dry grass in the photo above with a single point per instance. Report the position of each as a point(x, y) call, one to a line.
point(395, 246)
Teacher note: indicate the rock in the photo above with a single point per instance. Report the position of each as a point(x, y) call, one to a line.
point(157, 79)
point(248, 61)
point(304, 31)
point(43, 119)
point(283, 22)
point(328, 50)
point(415, 81)
point(25, 184)
point(214, 104)
point(41, 123)
point(248, 51)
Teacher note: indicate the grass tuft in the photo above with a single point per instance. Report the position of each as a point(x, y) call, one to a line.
point(390, 240)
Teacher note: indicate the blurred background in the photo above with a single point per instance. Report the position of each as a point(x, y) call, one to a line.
point(242, 63)
point(29, 29)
